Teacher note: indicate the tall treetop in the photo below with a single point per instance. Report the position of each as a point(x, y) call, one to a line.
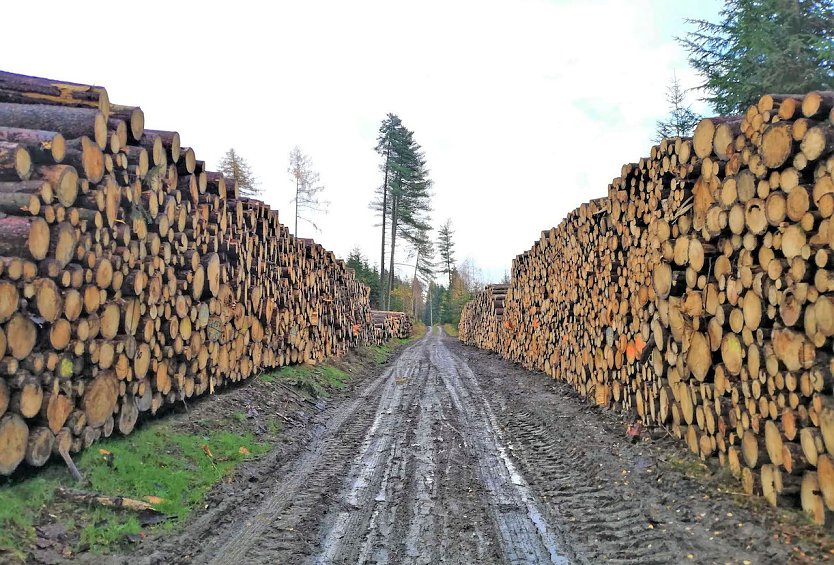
point(446, 249)
point(237, 169)
point(763, 46)
point(681, 120)
point(308, 188)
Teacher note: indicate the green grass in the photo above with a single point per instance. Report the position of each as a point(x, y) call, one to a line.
point(153, 461)
point(156, 461)
point(450, 329)
point(382, 353)
point(19, 507)
point(105, 530)
point(315, 380)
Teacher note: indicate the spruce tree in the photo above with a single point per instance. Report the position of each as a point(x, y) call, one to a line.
point(446, 249)
point(763, 46)
point(404, 199)
point(682, 120)
point(364, 273)
point(389, 130)
point(236, 168)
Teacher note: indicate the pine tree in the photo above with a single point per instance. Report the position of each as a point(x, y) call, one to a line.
point(307, 188)
point(390, 128)
point(446, 249)
point(364, 273)
point(682, 120)
point(411, 198)
point(405, 196)
point(236, 168)
point(424, 265)
point(763, 46)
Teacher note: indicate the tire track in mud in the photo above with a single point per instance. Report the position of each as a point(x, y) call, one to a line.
point(430, 507)
point(524, 534)
point(517, 524)
point(279, 530)
point(379, 467)
point(452, 455)
point(608, 496)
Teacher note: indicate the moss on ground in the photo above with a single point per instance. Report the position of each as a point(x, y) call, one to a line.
point(314, 380)
point(687, 465)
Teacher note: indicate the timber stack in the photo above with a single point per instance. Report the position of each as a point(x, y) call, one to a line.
point(699, 295)
point(390, 325)
point(480, 326)
point(132, 277)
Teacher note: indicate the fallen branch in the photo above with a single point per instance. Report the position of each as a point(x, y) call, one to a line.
point(71, 466)
point(104, 500)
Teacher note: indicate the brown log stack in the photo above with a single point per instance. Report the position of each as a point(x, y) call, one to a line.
point(132, 279)
point(699, 295)
point(482, 317)
point(389, 325)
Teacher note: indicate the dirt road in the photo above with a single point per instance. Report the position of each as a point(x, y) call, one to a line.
point(454, 456)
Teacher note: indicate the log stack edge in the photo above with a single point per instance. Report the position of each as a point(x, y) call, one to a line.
point(698, 295)
point(131, 277)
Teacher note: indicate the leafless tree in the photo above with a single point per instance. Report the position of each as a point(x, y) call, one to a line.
point(308, 188)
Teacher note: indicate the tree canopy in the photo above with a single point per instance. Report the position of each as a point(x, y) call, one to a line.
point(763, 46)
point(403, 200)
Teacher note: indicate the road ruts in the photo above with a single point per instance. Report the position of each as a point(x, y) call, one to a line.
point(452, 455)
point(413, 470)
point(374, 526)
point(614, 502)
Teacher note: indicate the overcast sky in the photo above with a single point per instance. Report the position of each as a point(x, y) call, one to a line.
point(525, 109)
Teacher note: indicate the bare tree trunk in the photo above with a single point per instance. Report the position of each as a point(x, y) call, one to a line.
point(431, 307)
point(384, 212)
point(414, 287)
point(395, 202)
point(297, 187)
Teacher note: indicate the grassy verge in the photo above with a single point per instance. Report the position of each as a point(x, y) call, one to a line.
point(450, 329)
point(382, 353)
point(156, 463)
point(315, 380)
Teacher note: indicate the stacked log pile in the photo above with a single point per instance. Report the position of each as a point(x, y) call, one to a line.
point(132, 278)
point(699, 295)
point(480, 327)
point(389, 325)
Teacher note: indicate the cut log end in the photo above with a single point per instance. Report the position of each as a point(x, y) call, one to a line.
point(14, 439)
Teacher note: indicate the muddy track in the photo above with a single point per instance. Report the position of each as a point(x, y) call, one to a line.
point(411, 471)
point(453, 456)
point(611, 500)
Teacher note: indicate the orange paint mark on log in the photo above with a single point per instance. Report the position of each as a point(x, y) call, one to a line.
point(639, 344)
point(631, 352)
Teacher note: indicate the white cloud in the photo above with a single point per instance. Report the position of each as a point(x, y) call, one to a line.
point(525, 108)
